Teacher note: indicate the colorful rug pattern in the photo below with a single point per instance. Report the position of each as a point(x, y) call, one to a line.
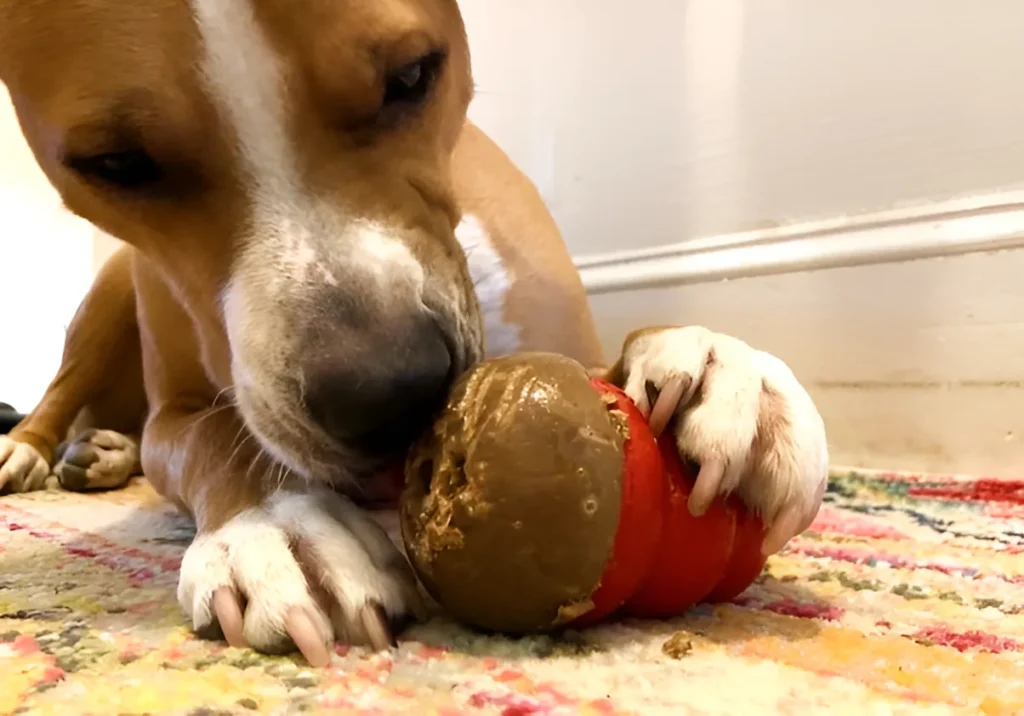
point(906, 596)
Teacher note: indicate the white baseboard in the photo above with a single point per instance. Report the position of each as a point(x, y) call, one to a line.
point(914, 364)
point(982, 223)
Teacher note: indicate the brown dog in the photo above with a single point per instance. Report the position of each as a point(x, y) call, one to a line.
point(320, 242)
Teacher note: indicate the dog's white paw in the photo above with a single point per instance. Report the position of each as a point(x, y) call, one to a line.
point(22, 468)
point(741, 415)
point(97, 459)
point(306, 569)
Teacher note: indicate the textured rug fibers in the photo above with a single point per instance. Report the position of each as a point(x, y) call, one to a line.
point(905, 596)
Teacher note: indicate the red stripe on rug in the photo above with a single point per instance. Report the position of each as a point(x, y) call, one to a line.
point(140, 567)
point(789, 607)
point(850, 524)
point(982, 490)
point(967, 640)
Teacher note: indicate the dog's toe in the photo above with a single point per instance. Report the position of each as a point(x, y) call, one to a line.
point(22, 467)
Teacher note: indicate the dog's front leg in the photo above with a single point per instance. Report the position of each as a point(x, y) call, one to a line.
point(276, 561)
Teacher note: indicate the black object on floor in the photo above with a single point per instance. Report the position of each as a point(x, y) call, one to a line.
point(9, 417)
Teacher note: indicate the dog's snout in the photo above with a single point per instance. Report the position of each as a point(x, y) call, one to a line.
point(378, 398)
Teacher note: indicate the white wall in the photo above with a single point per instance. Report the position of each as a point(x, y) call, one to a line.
point(657, 121)
point(45, 269)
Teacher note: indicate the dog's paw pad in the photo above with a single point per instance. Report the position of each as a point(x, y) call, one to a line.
point(97, 460)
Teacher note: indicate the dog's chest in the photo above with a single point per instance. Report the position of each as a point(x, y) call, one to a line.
point(492, 281)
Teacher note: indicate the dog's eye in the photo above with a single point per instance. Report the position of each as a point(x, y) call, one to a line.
point(410, 84)
point(132, 169)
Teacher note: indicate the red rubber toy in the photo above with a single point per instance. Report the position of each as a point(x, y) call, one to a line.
point(541, 500)
point(712, 558)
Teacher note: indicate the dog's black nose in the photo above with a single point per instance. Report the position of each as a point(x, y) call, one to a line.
point(378, 398)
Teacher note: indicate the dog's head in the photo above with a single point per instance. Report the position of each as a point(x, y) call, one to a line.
point(286, 164)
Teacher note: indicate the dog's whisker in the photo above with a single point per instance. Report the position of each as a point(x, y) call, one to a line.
point(283, 474)
point(260, 455)
point(230, 392)
point(238, 435)
point(241, 444)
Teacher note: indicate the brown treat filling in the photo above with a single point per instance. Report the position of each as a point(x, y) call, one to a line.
point(512, 500)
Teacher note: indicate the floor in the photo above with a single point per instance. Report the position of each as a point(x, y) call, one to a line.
point(905, 596)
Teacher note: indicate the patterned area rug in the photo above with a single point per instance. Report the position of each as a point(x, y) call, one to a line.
point(906, 596)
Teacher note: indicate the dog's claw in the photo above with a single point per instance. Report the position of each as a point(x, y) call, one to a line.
point(706, 487)
point(784, 528)
point(229, 616)
point(378, 630)
point(665, 405)
point(303, 631)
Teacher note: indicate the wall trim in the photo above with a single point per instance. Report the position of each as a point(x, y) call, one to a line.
point(989, 222)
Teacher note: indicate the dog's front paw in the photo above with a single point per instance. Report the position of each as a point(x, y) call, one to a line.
point(741, 415)
point(22, 467)
point(97, 460)
point(306, 569)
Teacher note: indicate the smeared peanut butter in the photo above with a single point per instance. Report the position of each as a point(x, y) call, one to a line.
point(512, 499)
point(677, 646)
